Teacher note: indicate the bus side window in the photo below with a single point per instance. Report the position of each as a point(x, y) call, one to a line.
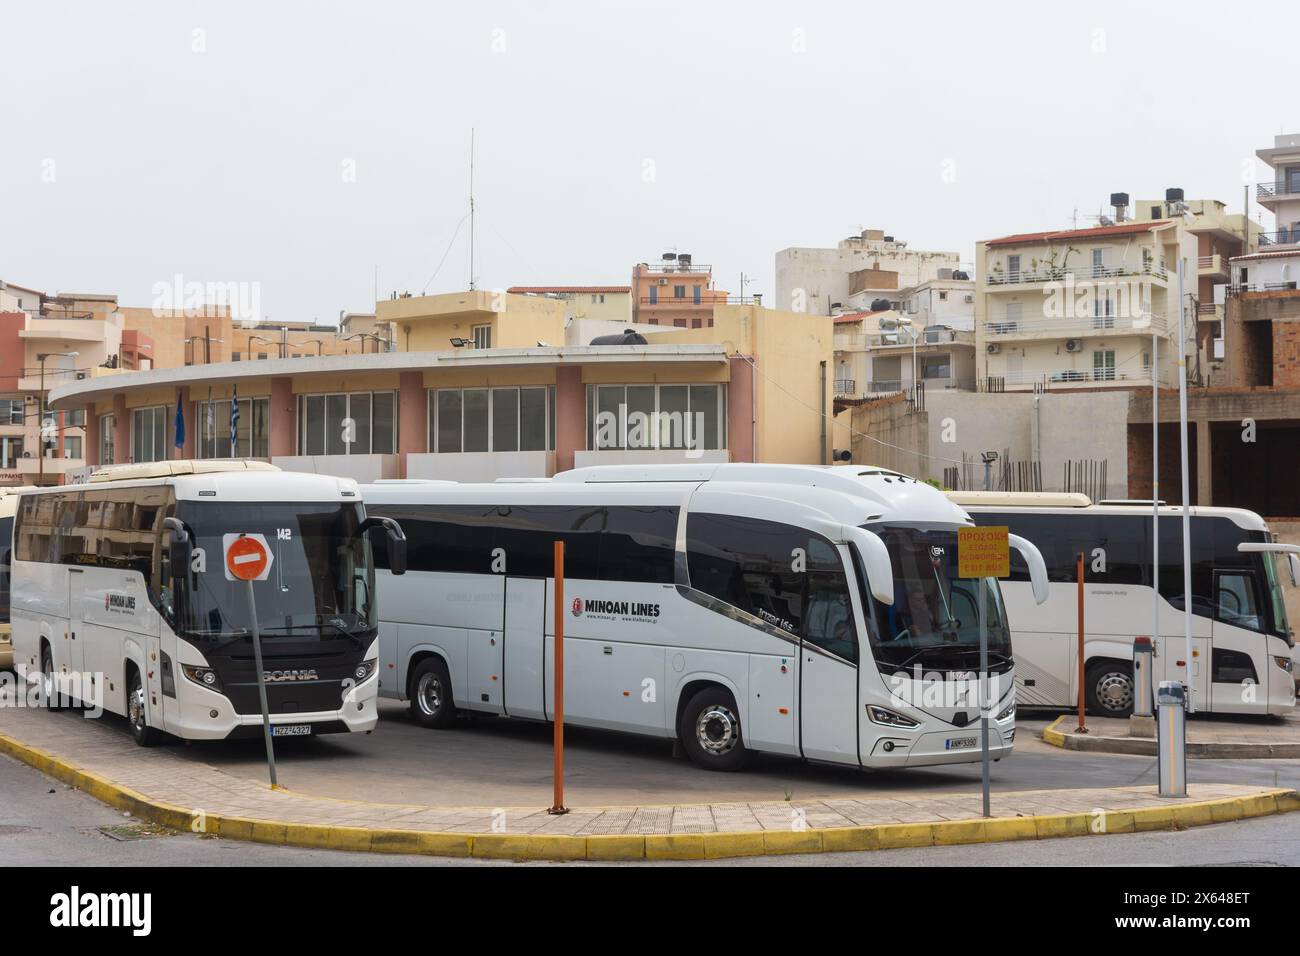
point(1235, 598)
point(828, 613)
point(750, 564)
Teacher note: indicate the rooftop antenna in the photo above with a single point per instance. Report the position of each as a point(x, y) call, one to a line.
point(471, 208)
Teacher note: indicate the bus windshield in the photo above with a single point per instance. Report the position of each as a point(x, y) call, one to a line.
point(1273, 579)
point(321, 582)
point(933, 623)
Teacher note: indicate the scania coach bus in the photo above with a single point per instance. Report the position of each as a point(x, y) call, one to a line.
point(797, 610)
point(121, 596)
point(1242, 645)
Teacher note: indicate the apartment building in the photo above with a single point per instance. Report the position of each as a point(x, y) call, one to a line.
point(858, 271)
point(1220, 237)
point(1078, 308)
point(676, 291)
point(583, 303)
point(887, 352)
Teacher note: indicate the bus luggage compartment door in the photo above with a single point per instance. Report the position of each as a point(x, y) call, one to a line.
point(525, 622)
point(75, 644)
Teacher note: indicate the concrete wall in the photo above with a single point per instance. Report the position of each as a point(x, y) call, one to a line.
point(1052, 429)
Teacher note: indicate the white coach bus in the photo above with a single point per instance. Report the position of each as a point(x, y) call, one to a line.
point(8, 507)
point(797, 610)
point(1242, 645)
point(121, 597)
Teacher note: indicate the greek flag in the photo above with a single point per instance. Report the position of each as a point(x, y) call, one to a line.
point(234, 422)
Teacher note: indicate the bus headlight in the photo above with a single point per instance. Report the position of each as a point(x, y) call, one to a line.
point(1283, 662)
point(1008, 711)
point(887, 718)
point(203, 676)
point(365, 670)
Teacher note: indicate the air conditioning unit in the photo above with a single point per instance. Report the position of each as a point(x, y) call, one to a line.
point(80, 376)
point(663, 281)
point(1073, 345)
point(993, 348)
point(969, 298)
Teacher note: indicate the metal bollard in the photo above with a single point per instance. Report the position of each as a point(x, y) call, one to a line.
point(1142, 677)
point(1171, 738)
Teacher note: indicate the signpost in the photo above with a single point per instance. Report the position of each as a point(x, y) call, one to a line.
point(248, 559)
point(983, 553)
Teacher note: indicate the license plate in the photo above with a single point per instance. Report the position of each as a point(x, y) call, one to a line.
point(291, 730)
point(960, 743)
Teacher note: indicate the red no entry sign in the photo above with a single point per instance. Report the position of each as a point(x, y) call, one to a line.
point(247, 557)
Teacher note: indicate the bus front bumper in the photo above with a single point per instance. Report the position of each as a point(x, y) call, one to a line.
point(938, 747)
point(208, 715)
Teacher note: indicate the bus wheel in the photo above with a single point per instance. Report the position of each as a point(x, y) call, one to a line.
point(431, 703)
point(48, 686)
point(136, 716)
point(1110, 688)
point(710, 731)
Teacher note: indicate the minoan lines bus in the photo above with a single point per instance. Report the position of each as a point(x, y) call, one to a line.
point(797, 610)
point(121, 597)
point(1242, 645)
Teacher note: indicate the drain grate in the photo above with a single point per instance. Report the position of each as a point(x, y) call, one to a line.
point(130, 831)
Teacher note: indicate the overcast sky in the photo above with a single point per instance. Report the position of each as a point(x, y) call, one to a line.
point(302, 145)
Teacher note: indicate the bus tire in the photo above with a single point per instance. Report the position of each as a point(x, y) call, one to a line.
point(137, 717)
point(1109, 688)
point(431, 701)
point(709, 731)
point(48, 687)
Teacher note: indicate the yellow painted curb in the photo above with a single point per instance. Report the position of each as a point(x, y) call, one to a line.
point(1053, 736)
point(676, 846)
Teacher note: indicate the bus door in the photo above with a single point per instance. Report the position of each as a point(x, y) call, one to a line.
point(1174, 652)
point(75, 644)
point(525, 624)
point(484, 657)
point(1239, 648)
point(828, 665)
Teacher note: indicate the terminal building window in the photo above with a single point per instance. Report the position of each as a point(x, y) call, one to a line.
point(107, 439)
point(348, 423)
point(251, 432)
point(657, 416)
point(492, 419)
point(149, 431)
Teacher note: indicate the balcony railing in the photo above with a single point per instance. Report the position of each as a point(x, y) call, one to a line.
point(1070, 327)
point(1283, 237)
point(1277, 190)
point(1278, 286)
point(1066, 378)
point(846, 386)
point(1150, 270)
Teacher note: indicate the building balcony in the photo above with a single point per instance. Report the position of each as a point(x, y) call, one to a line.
point(1000, 280)
point(845, 387)
point(1281, 239)
point(31, 467)
point(1214, 267)
point(1209, 312)
point(1109, 326)
point(1071, 378)
point(1274, 192)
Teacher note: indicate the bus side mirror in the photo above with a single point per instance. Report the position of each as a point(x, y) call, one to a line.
point(1037, 567)
point(180, 547)
point(395, 543)
point(1293, 562)
point(875, 560)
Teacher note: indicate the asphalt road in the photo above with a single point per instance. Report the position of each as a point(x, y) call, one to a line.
point(508, 763)
point(44, 823)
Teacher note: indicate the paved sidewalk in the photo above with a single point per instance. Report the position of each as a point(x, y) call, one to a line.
point(159, 785)
point(1207, 736)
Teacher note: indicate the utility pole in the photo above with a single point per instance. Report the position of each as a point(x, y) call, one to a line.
point(471, 212)
point(1187, 507)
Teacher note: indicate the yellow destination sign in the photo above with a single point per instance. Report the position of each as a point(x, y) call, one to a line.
point(983, 552)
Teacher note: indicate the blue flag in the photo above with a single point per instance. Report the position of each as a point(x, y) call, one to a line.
point(180, 422)
point(234, 421)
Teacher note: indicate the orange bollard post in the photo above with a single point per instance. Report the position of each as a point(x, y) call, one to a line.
point(558, 806)
point(1082, 728)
